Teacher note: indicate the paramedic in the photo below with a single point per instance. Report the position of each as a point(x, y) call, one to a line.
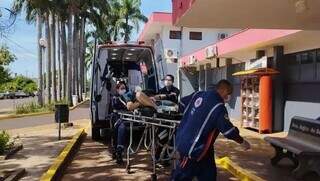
point(118, 104)
point(170, 93)
point(205, 116)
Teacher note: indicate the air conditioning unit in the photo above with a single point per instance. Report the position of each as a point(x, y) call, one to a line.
point(192, 60)
point(171, 54)
point(211, 51)
point(222, 36)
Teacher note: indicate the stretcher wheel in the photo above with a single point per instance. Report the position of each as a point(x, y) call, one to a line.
point(153, 177)
point(128, 169)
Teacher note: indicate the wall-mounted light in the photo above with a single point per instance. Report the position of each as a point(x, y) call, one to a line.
point(301, 6)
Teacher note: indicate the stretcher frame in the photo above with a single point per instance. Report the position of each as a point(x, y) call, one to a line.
point(151, 123)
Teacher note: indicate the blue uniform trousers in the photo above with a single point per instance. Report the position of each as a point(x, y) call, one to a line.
point(119, 131)
point(204, 170)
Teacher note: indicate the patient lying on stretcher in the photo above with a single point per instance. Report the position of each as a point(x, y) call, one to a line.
point(139, 99)
point(129, 101)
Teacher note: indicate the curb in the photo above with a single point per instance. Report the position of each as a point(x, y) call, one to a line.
point(15, 176)
point(37, 113)
point(236, 170)
point(61, 162)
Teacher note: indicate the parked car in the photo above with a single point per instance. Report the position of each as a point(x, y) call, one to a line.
point(2, 95)
point(9, 95)
point(20, 94)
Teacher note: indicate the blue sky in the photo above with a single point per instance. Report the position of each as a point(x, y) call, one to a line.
point(25, 35)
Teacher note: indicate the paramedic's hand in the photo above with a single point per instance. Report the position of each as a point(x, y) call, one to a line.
point(153, 99)
point(245, 145)
point(173, 94)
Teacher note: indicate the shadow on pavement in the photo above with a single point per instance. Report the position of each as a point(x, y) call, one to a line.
point(257, 160)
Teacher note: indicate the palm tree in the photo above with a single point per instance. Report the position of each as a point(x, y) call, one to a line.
point(34, 10)
point(48, 53)
point(40, 78)
point(53, 54)
point(130, 12)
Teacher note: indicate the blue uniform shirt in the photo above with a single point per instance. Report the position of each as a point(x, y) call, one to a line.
point(204, 113)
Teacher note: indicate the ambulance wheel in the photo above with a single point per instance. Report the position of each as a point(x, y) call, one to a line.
point(153, 177)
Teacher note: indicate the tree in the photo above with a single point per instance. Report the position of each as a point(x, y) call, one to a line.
point(6, 57)
point(130, 12)
point(33, 9)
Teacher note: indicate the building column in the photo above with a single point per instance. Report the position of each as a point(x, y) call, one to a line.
point(201, 79)
point(207, 76)
point(229, 70)
point(278, 63)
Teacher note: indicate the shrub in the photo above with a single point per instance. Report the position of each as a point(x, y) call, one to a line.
point(29, 107)
point(4, 140)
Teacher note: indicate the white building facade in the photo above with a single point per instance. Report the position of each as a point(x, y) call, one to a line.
point(170, 42)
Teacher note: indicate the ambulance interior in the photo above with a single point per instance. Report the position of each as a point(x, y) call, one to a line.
point(132, 64)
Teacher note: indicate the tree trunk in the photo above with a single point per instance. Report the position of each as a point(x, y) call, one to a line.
point(82, 54)
point(59, 58)
point(40, 80)
point(69, 86)
point(126, 33)
point(48, 51)
point(75, 55)
point(53, 56)
point(64, 60)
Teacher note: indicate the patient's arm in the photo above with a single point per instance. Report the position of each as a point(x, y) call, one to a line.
point(144, 100)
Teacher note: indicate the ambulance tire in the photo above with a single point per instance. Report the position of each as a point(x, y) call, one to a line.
point(153, 177)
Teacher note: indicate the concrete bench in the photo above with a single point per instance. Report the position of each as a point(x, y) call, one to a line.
point(301, 145)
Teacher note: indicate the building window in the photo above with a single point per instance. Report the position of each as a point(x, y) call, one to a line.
point(307, 58)
point(176, 35)
point(195, 35)
point(318, 56)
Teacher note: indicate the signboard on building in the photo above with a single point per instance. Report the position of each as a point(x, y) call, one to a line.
point(255, 64)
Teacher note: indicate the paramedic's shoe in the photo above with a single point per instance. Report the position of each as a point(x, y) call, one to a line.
point(119, 158)
point(114, 153)
point(245, 145)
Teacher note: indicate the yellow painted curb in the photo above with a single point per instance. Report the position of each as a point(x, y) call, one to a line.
point(11, 116)
point(60, 161)
point(24, 115)
point(236, 170)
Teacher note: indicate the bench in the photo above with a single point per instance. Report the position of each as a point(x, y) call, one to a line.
point(301, 145)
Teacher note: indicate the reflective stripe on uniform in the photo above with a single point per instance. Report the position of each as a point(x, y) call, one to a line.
point(202, 128)
point(229, 131)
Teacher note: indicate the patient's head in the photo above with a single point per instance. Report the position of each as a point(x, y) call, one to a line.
point(121, 88)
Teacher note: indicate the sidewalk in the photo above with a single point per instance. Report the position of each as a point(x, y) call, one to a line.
point(93, 162)
point(257, 160)
point(41, 146)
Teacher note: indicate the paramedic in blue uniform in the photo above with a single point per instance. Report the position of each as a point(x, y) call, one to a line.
point(171, 93)
point(119, 104)
point(205, 116)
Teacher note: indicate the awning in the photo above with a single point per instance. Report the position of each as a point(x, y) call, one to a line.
point(271, 14)
point(260, 71)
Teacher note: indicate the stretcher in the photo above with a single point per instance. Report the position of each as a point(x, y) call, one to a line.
point(151, 123)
